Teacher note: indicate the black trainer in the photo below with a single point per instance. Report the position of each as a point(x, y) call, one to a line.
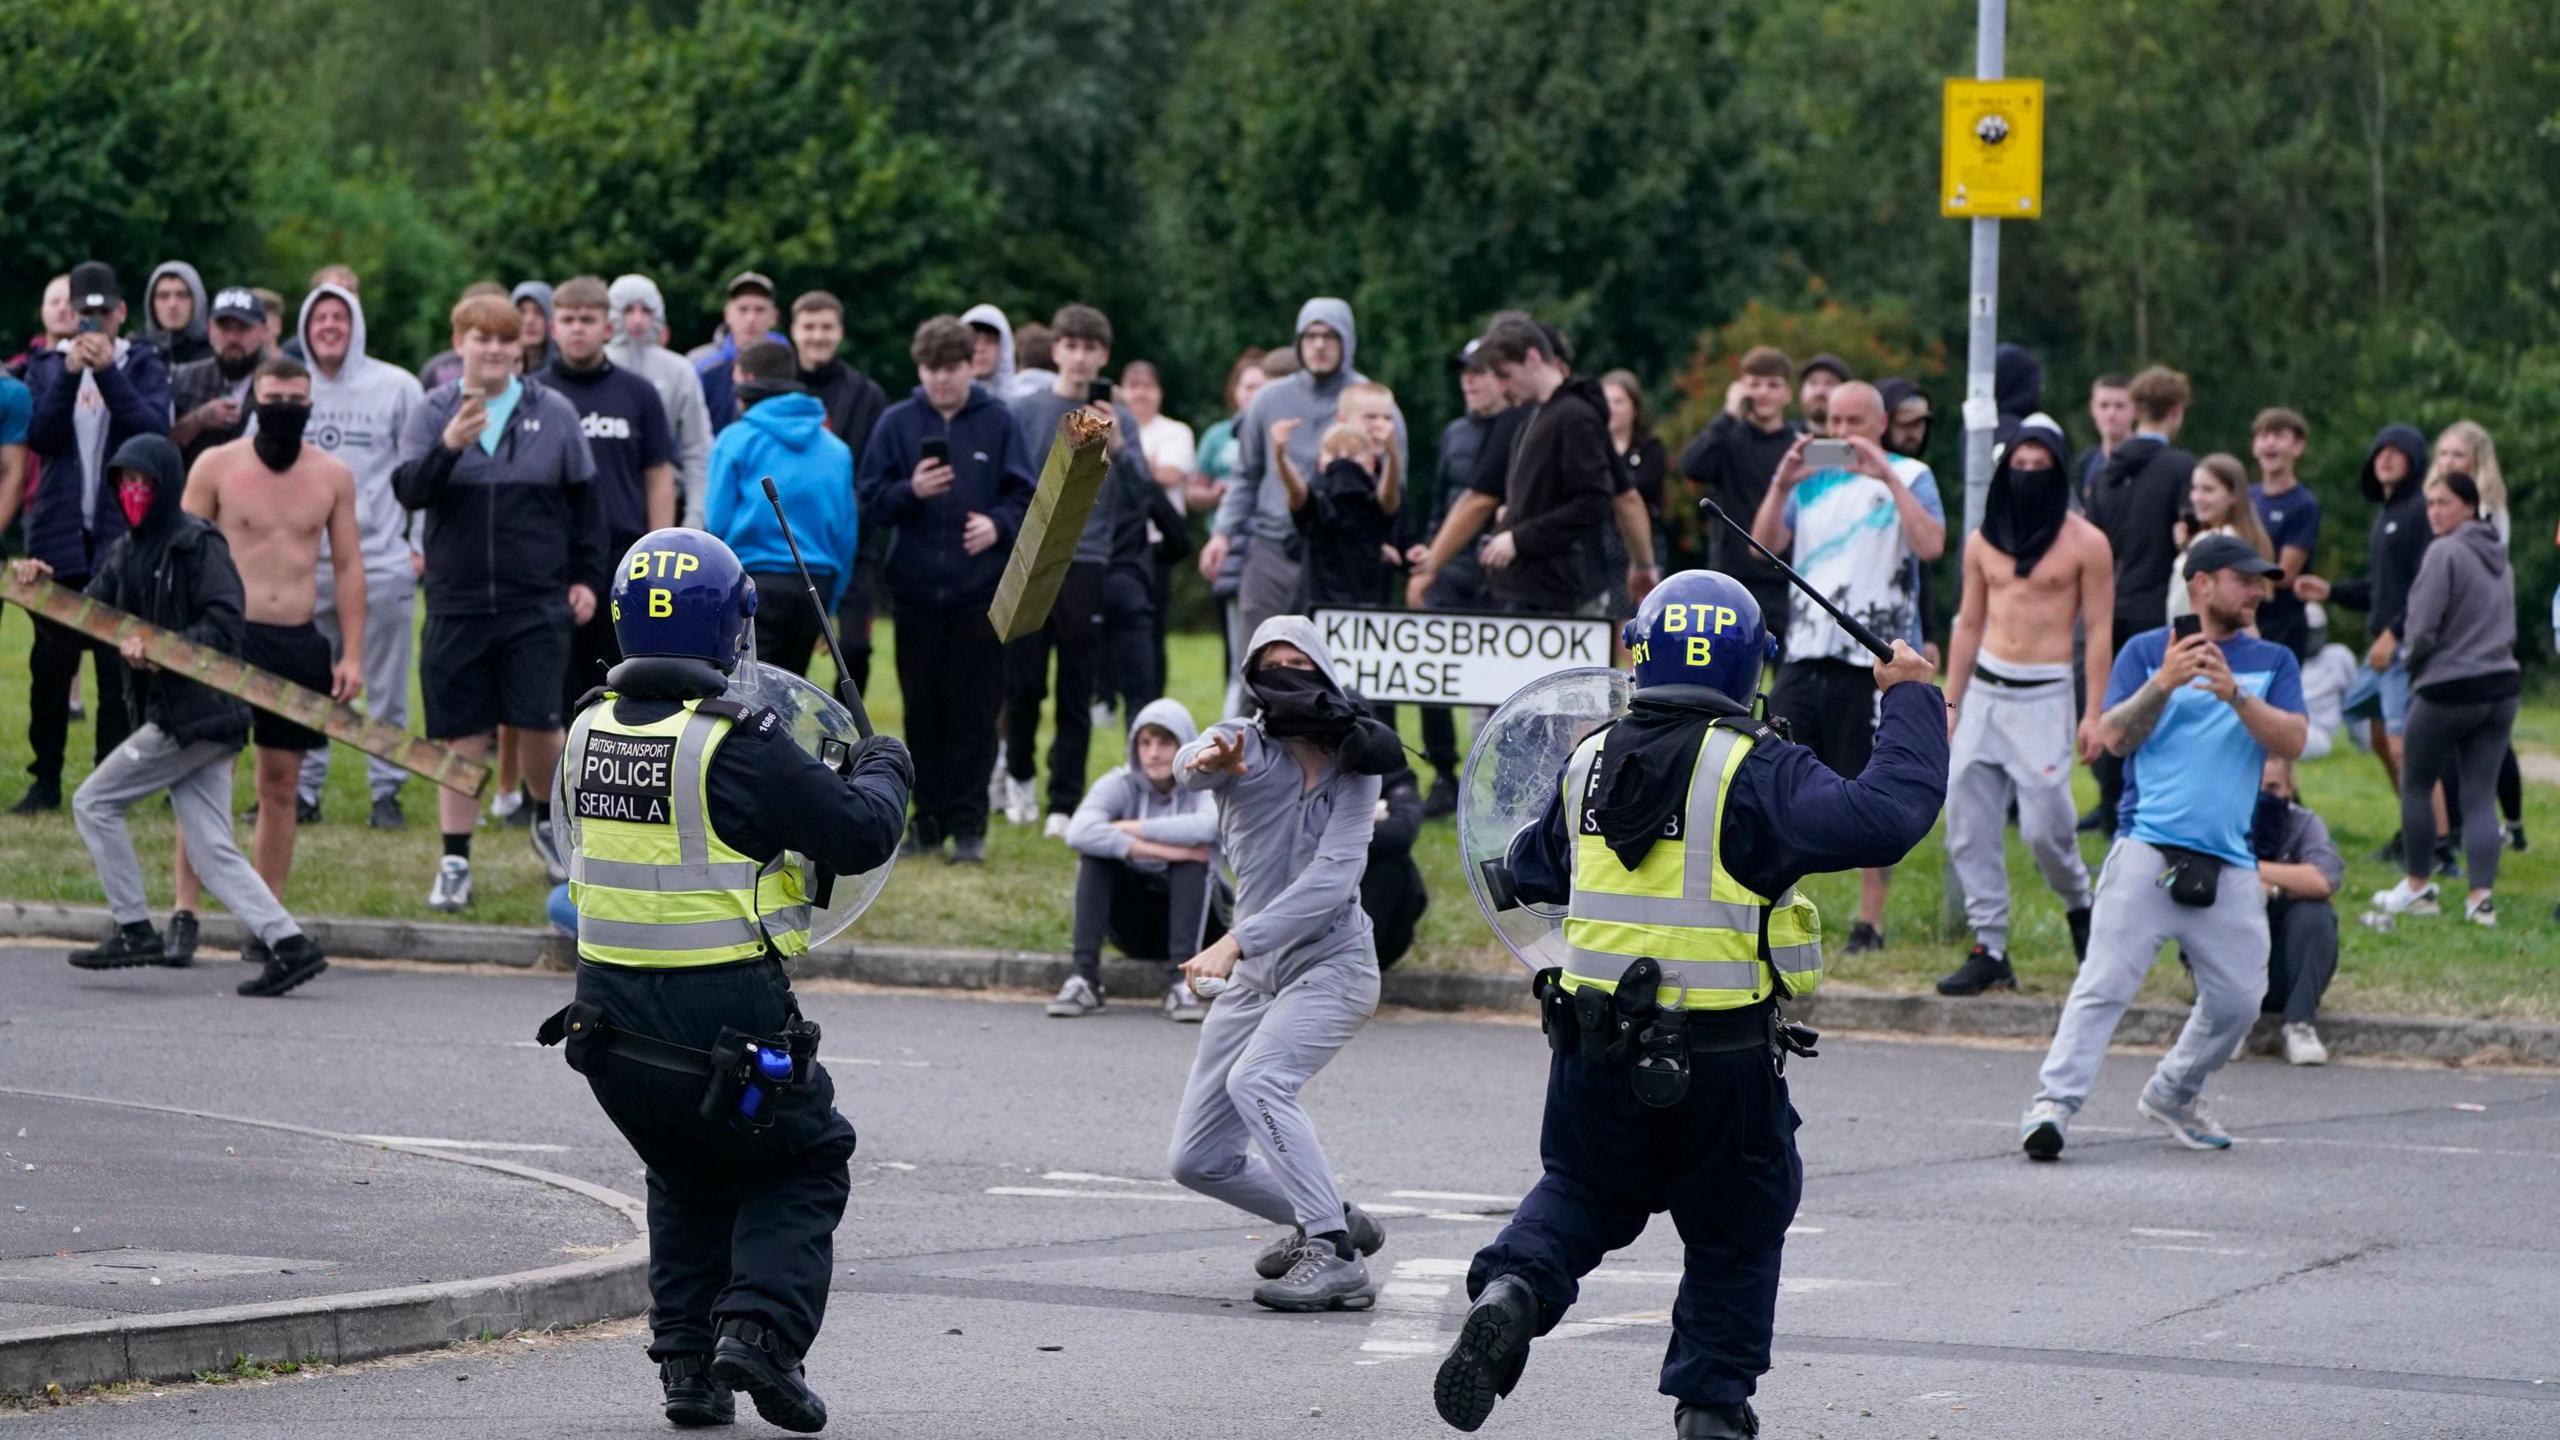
point(1716, 1422)
point(254, 950)
point(694, 1399)
point(40, 799)
point(291, 962)
point(180, 950)
point(1864, 937)
point(967, 850)
point(752, 1358)
point(125, 947)
point(1442, 801)
point(2448, 856)
point(1492, 1350)
point(1983, 969)
point(386, 814)
point(2095, 821)
point(2079, 922)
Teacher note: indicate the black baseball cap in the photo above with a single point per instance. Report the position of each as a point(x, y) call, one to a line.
point(1838, 367)
point(1466, 359)
point(93, 286)
point(237, 303)
point(2228, 552)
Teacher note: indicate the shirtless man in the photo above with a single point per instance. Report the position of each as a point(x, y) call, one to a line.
point(273, 497)
point(2031, 572)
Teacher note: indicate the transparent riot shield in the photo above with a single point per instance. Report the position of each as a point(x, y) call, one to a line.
point(1513, 770)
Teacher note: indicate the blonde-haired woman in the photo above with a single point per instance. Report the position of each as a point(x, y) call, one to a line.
point(2218, 497)
point(2466, 449)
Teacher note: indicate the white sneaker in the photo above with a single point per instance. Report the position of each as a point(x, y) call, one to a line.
point(1055, 828)
point(452, 888)
point(1103, 715)
point(2302, 1045)
point(1021, 806)
point(995, 783)
point(503, 808)
point(2401, 900)
point(1181, 1006)
point(2040, 1133)
point(1076, 998)
point(2483, 911)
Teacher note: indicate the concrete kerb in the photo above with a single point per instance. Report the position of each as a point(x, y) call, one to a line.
point(337, 1329)
point(1836, 1007)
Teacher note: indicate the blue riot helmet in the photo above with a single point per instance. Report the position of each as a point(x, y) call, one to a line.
point(682, 594)
point(1700, 627)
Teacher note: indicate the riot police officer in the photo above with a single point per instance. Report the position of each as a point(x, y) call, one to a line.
point(1675, 839)
point(685, 1026)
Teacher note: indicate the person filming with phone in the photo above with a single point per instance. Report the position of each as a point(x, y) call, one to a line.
point(2194, 709)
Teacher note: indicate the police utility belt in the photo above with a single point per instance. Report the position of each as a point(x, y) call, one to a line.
point(1629, 1029)
point(744, 1075)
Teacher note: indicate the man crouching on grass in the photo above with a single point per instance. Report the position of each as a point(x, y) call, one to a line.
point(174, 570)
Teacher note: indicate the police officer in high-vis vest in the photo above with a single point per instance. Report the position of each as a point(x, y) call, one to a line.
point(1674, 840)
point(685, 1025)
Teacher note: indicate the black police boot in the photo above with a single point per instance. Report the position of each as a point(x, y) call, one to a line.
point(291, 961)
point(694, 1399)
point(1983, 969)
point(126, 947)
point(752, 1358)
point(180, 951)
point(1492, 1350)
point(1716, 1422)
point(2079, 922)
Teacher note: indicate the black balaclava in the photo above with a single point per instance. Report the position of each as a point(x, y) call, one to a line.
point(1304, 705)
point(2024, 519)
point(279, 438)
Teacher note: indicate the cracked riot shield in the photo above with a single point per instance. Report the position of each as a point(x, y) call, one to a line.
point(812, 718)
point(1512, 772)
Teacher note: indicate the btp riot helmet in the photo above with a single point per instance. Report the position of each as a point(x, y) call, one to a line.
point(1700, 627)
point(683, 594)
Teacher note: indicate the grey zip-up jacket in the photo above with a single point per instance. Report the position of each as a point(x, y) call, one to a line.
point(1256, 503)
point(2461, 621)
point(679, 388)
point(1297, 850)
point(1175, 816)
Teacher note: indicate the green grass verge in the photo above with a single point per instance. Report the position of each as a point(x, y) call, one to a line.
point(1022, 899)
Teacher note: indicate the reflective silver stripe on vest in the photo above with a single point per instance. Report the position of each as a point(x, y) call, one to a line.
point(1696, 907)
point(573, 762)
point(665, 879)
point(1796, 959)
point(1741, 975)
point(690, 935)
point(693, 823)
point(787, 920)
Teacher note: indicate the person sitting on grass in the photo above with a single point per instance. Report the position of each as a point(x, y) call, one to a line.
point(1143, 847)
point(2300, 868)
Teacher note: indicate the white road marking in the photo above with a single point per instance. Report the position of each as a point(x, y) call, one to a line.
point(1407, 1319)
point(429, 1142)
point(2197, 1249)
point(2158, 1234)
point(1087, 1177)
point(2323, 1141)
point(1576, 1329)
point(1507, 1202)
point(1035, 1192)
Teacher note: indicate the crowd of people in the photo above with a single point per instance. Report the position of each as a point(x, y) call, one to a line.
point(505, 478)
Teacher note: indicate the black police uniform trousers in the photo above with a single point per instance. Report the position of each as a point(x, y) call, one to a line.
point(741, 1223)
point(1722, 1161)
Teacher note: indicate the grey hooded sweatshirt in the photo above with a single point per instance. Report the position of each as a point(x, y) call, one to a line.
point(357, 415)
point(679, 388)
point(1171, 816)
point(1297, 850)
point(182, 346)
point(1261, 510)
point(1003, 384)
point(2461, 621)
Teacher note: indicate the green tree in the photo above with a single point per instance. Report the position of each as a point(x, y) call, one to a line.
point(97, 164)
point(762, 141)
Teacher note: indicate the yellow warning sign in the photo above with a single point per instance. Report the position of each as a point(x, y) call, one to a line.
point(1991, 164)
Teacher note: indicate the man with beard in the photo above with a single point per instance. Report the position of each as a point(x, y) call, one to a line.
point(2195, 719)
point(2031, 573)
point(210, 396)
point(273, 497)
point(174, 571)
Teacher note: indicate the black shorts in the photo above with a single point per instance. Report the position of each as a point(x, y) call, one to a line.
point(478, 672)
point(1830, 708)
point(299, 653)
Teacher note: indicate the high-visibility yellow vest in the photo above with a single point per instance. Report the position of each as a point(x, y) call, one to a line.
point(1721, 946)
point(655, 886)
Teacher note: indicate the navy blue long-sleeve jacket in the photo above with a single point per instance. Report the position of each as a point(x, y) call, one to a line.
point(135, 391)
point(991, 474)
point(1789, 815)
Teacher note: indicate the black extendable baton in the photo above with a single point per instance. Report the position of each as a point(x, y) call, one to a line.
point(1857, 632)
point(850, 697)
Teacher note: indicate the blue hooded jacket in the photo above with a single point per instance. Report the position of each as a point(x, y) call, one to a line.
point(787, 438)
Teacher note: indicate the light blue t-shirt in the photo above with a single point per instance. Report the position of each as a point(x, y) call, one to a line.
point(502, 406)
point(17, 408)
point(2194, 783)
point(1849, 543)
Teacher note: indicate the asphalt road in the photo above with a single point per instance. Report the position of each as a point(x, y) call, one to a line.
point(2377, 1257)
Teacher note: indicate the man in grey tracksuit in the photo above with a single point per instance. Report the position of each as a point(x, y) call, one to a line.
point(1256, 504)
point(1294, 820)
point(635, 346)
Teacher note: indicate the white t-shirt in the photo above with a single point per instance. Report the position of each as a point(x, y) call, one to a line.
point(1849, 544)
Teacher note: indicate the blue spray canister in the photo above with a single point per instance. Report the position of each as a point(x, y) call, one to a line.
point(769, 1066)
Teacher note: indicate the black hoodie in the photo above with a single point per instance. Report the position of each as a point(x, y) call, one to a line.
point(173, 570)
point(2134, 499)
point(2023, 521)
point(1563, 480)
point(2399, 538)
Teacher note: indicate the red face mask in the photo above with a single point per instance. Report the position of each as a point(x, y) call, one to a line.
point(133, 496)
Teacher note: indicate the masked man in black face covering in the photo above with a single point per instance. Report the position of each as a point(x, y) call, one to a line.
point(174, 571)
point(2031, 573)
point(1297, 791)
point(273, 497)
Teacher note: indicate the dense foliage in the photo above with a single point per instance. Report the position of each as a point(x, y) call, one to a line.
point(2348, 206)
